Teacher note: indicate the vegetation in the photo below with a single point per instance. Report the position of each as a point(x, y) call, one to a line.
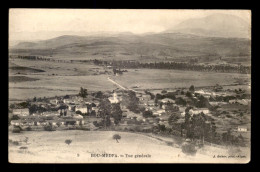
point(131, 101)
point(147, 114)
point(68, 141)
point(36, 109)
point(17, 129)
point(189, 149)
point(83, 92)
point(116, 137)
point(178, 66)
point(192, 88)
point(49, 127)
point(15, 117)
point(16, 143)
point(105, 112)
point(116, 113)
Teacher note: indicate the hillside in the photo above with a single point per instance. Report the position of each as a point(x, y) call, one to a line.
point(130, 46)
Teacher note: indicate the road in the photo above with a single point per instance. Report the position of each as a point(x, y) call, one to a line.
point(124, 88)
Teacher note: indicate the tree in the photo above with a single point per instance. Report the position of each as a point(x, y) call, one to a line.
point(147, 114)
point(83, 92)
point(23, 105)
point(169, 108)
point(105, 112)
point(192, 89)
point(173, 118)
point(131, 101)
point(116, 137)
point(12, 106)
point(188, 94)
point(116, 113)
point(164, 92)
point(203, 103)
point(199, 126)
point(180, 101)
point(68, 141)
point(15, 117)
point(99, 95)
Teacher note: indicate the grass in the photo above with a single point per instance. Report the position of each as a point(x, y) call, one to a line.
point(48, 147)
point(163, 79)
point(21, 79)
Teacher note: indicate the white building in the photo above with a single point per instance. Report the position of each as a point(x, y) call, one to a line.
point(114, 99)
point(21, 112)
point(16, 122)
point(242, 129)
point(82, 108)
point(199, 110)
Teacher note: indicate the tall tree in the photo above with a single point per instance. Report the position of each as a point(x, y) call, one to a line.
point(116, 113)
point(83, 92)
point(105, 112)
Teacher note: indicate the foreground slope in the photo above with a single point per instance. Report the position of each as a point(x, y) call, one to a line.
point(50, 147)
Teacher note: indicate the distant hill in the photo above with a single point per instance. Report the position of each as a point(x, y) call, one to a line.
point(152, 46)
point(215, 25)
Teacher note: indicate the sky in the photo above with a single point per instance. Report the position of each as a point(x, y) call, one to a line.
point(33, 24)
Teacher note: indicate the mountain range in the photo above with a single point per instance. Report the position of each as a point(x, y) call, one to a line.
point(218, 34)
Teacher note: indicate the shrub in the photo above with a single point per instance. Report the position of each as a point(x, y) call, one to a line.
point(164, 92)
point(68, 141)
point(189, 149)
point(49, 128)
point(28, 128)
point(16, 143)
point(17, 129)
point(147, 114)
point(15, 117)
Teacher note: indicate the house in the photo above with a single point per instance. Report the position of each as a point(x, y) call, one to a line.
point(199, 110)
point(159, 112)
point(204, 93)
point(51, 113)
point(77, 116)
point(166, 101)
point(95, 109)
point(82, 108)
point(242, 129)
point(244, 101)
point(16, 122)
point(71, 107)
point(51, 122)
point(66, 101)
point(30, 122)
point(21, 112)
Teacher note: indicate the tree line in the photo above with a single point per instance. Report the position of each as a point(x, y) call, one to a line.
point(177, 66)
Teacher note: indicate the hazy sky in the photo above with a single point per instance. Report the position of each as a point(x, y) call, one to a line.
point(22, 22)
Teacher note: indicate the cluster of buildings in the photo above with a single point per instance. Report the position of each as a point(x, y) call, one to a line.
point(71, 109)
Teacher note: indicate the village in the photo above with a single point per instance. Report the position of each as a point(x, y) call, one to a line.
point(141, 111)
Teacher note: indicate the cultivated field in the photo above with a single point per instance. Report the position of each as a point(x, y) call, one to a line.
point(66, 78)
point(50, 147)
point(163, 79)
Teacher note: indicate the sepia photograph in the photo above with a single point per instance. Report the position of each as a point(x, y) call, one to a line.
point(129, 86)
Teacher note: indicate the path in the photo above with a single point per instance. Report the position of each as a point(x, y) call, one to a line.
point(120, 85)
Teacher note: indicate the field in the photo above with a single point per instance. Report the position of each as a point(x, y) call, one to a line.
point(66, 78)
point(163, 79)
point(50, 147)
